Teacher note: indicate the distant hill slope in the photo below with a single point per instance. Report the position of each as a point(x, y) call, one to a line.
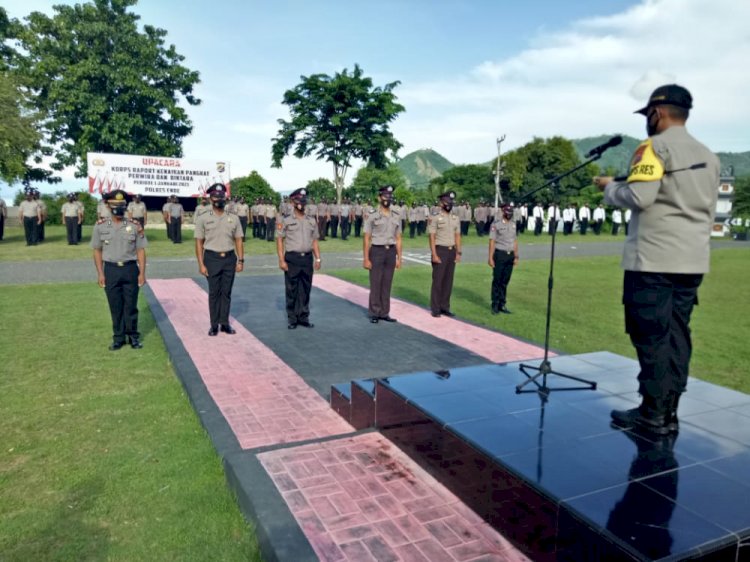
point(619, 156)
point(420, 166)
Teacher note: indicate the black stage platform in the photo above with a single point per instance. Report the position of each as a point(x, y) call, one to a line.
point(557, 479)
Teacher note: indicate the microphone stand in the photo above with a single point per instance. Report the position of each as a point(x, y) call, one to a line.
point(533, 373)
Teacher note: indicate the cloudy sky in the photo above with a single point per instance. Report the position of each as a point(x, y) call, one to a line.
point(470, 71)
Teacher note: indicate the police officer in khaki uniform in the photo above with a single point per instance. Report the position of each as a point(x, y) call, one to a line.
point(72, 217)
point(3, 217)
point(30, 215)
point(120, 259)
point(137, 211)
point(43, 208)
point(382, 254)
point(220, 253)
point(503, 257)
point(204, 207)
point(445, 243)
point(102, 209)
point(176, 211)
point(672, 191)
point(297, 246)
point(242, 211)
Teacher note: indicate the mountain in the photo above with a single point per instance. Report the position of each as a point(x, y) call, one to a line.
point(619, 156)
point(420, 166)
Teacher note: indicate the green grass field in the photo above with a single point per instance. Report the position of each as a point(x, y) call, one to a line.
point(101, 454)
point(587, 314)
point(55, 247)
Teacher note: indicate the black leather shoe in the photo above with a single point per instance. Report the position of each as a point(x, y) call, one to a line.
point(448, 313)
point(641, 418)
point(292, 325)
point(306, 324)
point(214, 331)
point(504, 310)
point(436, 315)
point(374, 320)
point(135, 343)
point(388, 319)
point(227, 329)
point(495, 311)
point(114, 346)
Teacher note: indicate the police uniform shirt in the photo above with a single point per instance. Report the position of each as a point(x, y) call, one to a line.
point(311, 210)
point(29, 208)
point(599, 214)
point(322, 209)
point(270, 211)
point(333, 209)
point(298, 233)
point(118, 242)
point(673, 214)
point(43, 207)
point(345, 210)
point(444, 227)
point(241, 209)
point(504, 235)
point(538, 212)
point(383, 228)
point(201, 209)
point(175, 210)
point(138, 210)
point(218, 232)
point(69, 210)
point(584, 213)
point(357, 210)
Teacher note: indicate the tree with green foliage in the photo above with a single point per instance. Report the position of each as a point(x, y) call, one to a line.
point(371, 178)
point(252, 187)
point(540, 160)
point(19, 132)
point(473, 182)
point(741, 199)
point(102, 84)
point(338, 119)
point(321, 188)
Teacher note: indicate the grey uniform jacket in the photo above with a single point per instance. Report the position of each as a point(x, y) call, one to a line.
point(673, 213)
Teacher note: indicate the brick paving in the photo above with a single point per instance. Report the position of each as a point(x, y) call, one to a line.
point(354, 497)
point(494, 346)
point(360, 498)
point(264, 401)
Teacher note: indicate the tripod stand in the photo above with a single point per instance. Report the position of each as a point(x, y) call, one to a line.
point(533, 373)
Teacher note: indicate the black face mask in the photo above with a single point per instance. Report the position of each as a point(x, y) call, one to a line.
point(385, 202)
point(651, 129)
point(448, 207)
point(219, 203)
point(118, 211)
point(300, 206)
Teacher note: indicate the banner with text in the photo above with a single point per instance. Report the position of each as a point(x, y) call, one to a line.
point(154, 175)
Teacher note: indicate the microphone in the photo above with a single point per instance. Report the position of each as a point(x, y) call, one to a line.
point(599, 150)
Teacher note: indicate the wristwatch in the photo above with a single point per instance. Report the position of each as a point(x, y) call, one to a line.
point(241, 261)
point(317, 260)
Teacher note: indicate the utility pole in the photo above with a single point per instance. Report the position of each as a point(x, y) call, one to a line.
point(498, 196)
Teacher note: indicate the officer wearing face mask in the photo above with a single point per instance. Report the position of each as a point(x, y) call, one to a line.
point(382, 254)
point(297, 247)
point(671, 190)
point(220, 253)
point(120, 259)
point(445, 243)
point(503, 257)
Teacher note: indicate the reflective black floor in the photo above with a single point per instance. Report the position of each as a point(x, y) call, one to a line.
point(554, 476)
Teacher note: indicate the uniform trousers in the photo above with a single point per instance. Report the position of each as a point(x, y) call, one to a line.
point(30, 230)
point(584, 226)
point(383, 259)
point(121, 287)
point(421, 227)
point(501, 274)
point(345, 228)
point(335, 227)
point(270, 229)
point(597, 227)
point(567, 227)
point(221, 271)
point(322, 224)
point(615, 228)
point(412, 229)
point(243, 224)
point(176, 226)
point(256, 228)
point(480, 227)
point(298, 283)
point(442, 279)
point(465, 228)
point(657, 318)
point(71, 228)
point(357, 226)
point(40, 231)
point(537, 226)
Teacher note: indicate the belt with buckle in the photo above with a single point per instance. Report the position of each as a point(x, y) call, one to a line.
point(221, 254)
point(120, 263)
point(300, 254)
point(447, 247)
point(386, 246)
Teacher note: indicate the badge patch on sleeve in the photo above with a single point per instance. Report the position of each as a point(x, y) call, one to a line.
point(645, 165)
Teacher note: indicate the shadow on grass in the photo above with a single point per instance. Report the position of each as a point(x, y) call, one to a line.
point(67, 535)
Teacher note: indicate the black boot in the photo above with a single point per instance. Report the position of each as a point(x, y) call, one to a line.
point(672, 422)
point(651, 415)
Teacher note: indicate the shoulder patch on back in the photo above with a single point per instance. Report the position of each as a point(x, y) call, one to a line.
point(645, 165)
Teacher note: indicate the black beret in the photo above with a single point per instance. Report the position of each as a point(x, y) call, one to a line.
point(447, 195)
point(300, 193)
point(217, 190)
point(386, 190)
